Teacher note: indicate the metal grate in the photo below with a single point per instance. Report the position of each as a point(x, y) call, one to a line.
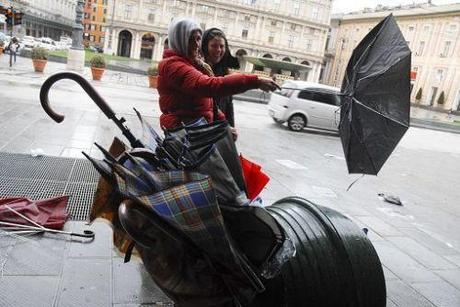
point(83, 171)
point(44, 177)
point(25, 166)
point(80, 193)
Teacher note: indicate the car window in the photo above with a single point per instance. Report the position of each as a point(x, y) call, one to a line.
point(327, 98)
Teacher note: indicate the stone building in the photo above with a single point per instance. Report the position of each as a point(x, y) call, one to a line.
point(432, 33)
point(44, 18)
point(94, 19)
point(292, 31)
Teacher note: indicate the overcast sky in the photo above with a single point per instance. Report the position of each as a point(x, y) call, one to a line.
point(345, 6)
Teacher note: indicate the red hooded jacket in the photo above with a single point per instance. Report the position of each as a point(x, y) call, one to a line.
point(185, 92)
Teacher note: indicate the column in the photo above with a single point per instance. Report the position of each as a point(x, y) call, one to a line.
point(136, 46)
point(158, 53)
point(193, 9)
point(215, 15)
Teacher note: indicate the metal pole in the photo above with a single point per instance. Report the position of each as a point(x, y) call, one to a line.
point(12, 25)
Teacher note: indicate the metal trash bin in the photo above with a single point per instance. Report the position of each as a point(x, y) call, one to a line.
point(335, 263)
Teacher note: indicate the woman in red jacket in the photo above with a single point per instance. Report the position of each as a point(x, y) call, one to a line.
point(186, 84)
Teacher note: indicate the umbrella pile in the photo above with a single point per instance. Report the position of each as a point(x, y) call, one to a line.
point(192, 183)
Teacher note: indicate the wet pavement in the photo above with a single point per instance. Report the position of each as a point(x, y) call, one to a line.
point(418, 243)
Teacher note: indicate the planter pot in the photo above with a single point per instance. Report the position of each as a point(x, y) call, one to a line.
point(1, 50)
point(39, 65)
point(153, 81)
point(97, 73)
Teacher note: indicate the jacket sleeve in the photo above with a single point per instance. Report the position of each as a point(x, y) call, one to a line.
point(191, 81)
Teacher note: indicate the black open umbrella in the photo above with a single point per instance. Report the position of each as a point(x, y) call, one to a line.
point(376, 90)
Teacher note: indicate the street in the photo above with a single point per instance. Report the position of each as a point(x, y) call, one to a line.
point(418, 243)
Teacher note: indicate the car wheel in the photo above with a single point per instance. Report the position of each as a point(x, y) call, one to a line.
point(297, 122)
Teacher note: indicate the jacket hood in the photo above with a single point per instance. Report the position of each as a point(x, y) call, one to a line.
point(179, 33)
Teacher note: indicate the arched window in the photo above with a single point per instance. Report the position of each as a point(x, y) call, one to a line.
point(148, 41)
point(124, 43)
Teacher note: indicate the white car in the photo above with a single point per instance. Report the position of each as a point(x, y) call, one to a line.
point(305, 104)
point(28, 42)
point(47, 43)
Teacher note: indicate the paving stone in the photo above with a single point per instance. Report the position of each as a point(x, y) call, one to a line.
point(420, 253)
point(451, 276)
point(402, 265)
point(133, 284)
point(403, 295)
point(389, 275)
point(390, 303)
point(85, 282)
point(25, 291)
point(37, 255)
point(101, 245)
point(440, 293)
point(430, 242)
point(379, 226)
point(454, 259)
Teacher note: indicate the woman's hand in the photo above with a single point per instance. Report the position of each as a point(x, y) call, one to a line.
point(268, 85)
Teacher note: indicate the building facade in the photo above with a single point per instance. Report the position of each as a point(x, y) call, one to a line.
point(44, 18)
point(286, 30)
point(94, 19)
point(433, 35)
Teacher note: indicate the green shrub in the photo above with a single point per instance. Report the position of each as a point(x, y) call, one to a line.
point(39, 53)
point(98, 61)
point(153, 71)
point(441, 98)
point(418, 96)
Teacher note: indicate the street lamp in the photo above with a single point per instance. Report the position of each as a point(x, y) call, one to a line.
point(76, 58)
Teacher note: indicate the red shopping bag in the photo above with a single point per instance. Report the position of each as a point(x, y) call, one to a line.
point(254, 178)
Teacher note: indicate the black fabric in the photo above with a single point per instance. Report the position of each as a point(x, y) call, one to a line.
point(225, 104)
point(375, 92)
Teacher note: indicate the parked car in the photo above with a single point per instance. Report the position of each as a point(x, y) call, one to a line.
point(47, 43)
point(305, 104)
point(28, 42)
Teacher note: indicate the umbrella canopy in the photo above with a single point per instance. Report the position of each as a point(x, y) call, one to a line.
point(376, 91)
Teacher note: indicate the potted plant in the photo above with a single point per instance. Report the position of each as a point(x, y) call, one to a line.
point(39, 58)
point(2, 46)
point(418, 96)
point(153, 76)
point(97, 66)
point(441, 98)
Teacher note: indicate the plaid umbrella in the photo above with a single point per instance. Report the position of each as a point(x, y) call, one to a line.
point(188, 203)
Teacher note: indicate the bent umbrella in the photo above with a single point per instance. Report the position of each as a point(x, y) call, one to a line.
point(375, 92)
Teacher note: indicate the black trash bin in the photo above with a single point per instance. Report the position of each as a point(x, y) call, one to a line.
point(335, 263)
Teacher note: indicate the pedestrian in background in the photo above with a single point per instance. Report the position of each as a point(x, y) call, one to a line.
point(13, 48)
point(186, 87)
point(217, 54)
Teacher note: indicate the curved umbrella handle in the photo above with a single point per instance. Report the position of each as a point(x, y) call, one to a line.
point(89, 89)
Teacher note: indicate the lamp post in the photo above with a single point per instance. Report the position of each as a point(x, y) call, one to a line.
point(76, 58)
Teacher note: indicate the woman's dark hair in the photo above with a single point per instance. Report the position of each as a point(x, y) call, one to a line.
point(228, 61)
